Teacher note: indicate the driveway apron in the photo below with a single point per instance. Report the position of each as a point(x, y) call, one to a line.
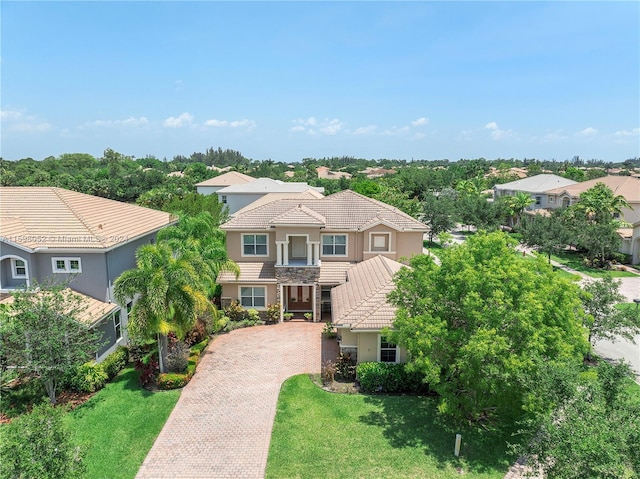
point(221, 425)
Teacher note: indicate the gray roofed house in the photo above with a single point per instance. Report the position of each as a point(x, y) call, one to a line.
point(536, 186)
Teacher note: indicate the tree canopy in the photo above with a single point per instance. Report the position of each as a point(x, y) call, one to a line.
point(484, 320)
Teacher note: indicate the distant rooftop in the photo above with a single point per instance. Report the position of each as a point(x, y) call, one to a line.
point(227, 179)
point(267, 185)
point(536, 184)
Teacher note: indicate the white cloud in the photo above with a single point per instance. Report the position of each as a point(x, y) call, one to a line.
point(18, 120)
point(587, 132)
point(185, 119)
point(129, 122)
point(216, 123)
point(244, 123)
point(420, 121)
point(333, 127)
point(365, 130)
point(418, 136)
point(394, 130)
point(634, 132)
point(498, 134)
point(312, 126)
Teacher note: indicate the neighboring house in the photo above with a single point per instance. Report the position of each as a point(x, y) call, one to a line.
point(238, 196)
point(625, 186)
point(213, 185)
point(372, 173)
point(325, 173)
point(55, 234)
point(271, 197)
point(294, 252)
point(537, 186)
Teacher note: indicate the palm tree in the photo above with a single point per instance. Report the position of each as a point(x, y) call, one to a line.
point(517, 204)
point(200, 235)
point(600, 200)
point(170, 290)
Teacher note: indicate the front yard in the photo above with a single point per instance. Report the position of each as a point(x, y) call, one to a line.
point(321, 434)
point(119, 425)
point(574, 261)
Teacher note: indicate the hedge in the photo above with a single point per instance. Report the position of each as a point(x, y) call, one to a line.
point(179, 380)
point(389, 378)
point(115, 362)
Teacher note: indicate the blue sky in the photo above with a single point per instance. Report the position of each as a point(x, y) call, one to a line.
point(289, 80)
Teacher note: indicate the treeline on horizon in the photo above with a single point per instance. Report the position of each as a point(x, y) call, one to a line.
point(148, 180)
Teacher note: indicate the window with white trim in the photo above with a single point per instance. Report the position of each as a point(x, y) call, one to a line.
point(253, 296)
point(388, 351)
point(254, 245)
point(66, 265)
point(18, 268)
point(334, 245)
point(224, 199)
point(380, 242)
point(117, 324)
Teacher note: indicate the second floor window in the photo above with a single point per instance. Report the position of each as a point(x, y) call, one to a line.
point(66, 265)
point(334, 245)
point(254, 245)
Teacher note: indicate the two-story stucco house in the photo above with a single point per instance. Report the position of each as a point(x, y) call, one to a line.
point(53, 234)
point(537, 186)
point(294, 252)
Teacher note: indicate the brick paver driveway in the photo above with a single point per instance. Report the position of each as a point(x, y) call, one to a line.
point(221, 425)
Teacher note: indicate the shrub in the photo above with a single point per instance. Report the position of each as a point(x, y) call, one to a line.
point(273, 312)
point(235, 312)
point(346, 367)
point(389, 378)
point(89, 378)
point(328, 372)
point(198, 332)
point(253, 314)
point(177, 354)
point(115, 362)
point(148, 367)
point(38, 445)
point(328, 331)
point(179, 380)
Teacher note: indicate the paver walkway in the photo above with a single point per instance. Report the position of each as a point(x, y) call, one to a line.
point(221, 426)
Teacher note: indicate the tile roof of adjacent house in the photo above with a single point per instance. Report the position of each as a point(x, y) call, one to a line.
point(536, 184)
point(343, 211)
point(361, 302)
point(55, 218)
point(627, 186)
point(268, 185)
point(227, 179)
point(93, 309)
point(271, 197)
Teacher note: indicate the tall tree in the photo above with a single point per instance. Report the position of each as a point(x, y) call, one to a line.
point(439, 212)
point(482, 321)
point(171, 291)
point(603, 320)
point(547, 233)
point(517, 204)
point(43, 333)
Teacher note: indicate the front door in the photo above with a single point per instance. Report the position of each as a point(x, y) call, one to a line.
point(299, 298)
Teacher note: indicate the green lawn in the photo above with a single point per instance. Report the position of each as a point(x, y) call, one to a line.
point(318, 434)
point(119, 425)
point(574, 261)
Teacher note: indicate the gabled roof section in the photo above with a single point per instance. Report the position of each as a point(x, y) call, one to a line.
point(227, 179)
point(250, 273)
point(94, 309)
point(536, 184)
point(343, 211)
point(626, 186)
point(299, 215)
point(268, 185)
point(55, 218)
point(361, 303)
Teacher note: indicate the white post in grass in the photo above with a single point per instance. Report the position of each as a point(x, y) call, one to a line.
point(456, 450)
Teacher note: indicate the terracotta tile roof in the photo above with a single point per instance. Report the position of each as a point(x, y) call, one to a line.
point(299, 215)
point(227, 179)
point(627, 186)
point(250, 273)
point(271, 197)
point(536, 184)
point(55, 218)
point(361, 303)
point(344, 211)
point(334, 272)
point(94, 310)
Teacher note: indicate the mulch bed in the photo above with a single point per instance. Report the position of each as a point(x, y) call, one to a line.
point(68, 399)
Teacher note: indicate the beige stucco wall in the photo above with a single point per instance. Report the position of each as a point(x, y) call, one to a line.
point(312, 232)
point(232, 291)
point(409, 244)
point(367, 347)
point(349, 338)
point(234, 247)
